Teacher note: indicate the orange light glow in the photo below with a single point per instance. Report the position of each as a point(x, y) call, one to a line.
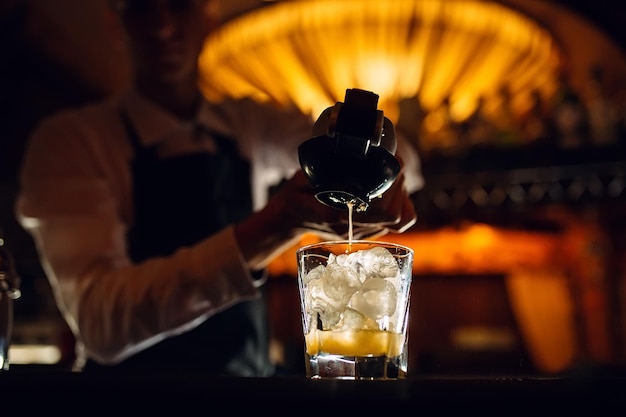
point(479, 237)
point(478, 248)
point(308, 52)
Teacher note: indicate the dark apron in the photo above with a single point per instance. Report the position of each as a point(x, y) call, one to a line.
point(178, 202)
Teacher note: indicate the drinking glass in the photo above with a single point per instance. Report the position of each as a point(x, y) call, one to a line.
point(355, 304)
point(8, 293)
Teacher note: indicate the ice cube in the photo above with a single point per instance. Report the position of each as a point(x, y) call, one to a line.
point(341, 259)
point(328, 319)
point(377, 262)
point(314, 273)
point(340, 282)
point(319, 305)
point(376, 298)
point(318, 299)
point(370, 263)
point(352, 319)
point(321, 301)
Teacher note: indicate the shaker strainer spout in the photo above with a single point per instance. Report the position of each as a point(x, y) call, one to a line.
point(350, 158)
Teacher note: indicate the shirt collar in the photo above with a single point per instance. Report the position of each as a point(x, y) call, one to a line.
point(154, 124)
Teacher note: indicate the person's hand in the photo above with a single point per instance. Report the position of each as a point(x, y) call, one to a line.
point(298, 211)
point(293, 211)
point(393, 211)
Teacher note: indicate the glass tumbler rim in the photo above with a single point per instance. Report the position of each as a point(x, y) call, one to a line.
point(355, 242)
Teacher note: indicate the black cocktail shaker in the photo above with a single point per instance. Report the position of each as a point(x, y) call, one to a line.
point(350, 158)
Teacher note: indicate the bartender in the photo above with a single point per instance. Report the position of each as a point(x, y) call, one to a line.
point(150, 209)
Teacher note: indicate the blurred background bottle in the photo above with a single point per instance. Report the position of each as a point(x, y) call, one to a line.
point(534, 128)
point(602, 110)
point(9, 291)
point(505, 120)
point(569, 116)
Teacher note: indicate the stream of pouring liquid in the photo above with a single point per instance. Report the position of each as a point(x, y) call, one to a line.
point(350, 205)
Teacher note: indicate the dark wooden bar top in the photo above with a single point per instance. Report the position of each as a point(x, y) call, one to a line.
point(588, 392)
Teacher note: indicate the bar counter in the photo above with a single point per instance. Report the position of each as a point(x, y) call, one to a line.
point(588, 392)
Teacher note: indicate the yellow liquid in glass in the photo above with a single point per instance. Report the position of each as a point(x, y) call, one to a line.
point(354, 343)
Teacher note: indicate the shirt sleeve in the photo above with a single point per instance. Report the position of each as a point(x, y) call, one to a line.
point(271, 136)
point(114, 307)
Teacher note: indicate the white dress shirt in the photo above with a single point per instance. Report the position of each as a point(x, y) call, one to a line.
point(76, 200)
